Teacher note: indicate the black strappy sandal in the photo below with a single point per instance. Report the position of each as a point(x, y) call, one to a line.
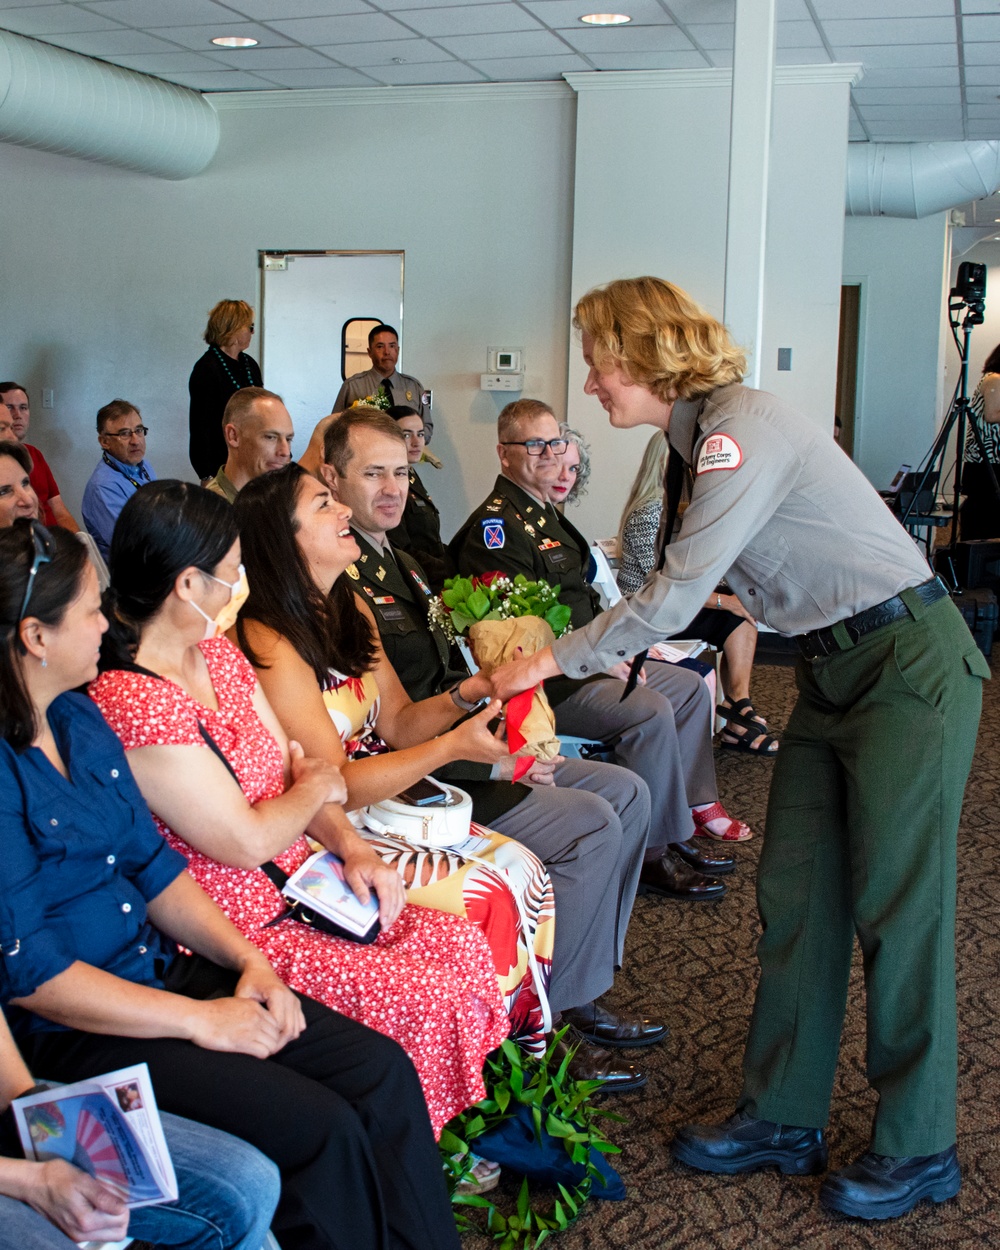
point(756, 740)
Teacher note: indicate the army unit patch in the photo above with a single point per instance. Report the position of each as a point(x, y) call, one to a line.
point(719, 451)
point(493, 535)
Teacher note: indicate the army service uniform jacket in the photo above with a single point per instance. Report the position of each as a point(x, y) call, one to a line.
point(397, 593)
point(419, 534)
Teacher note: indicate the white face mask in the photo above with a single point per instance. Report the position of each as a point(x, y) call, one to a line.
point(226, 617)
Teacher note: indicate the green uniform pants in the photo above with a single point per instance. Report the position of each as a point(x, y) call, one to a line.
point(861, 839)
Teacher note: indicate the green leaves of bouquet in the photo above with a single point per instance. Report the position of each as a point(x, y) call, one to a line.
point(494, 597)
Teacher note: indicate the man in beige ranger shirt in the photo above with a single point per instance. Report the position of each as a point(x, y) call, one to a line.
point(867, 788)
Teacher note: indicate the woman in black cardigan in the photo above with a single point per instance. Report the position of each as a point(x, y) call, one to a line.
point(224, 369)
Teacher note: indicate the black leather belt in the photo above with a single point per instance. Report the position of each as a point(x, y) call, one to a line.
point(820, 642)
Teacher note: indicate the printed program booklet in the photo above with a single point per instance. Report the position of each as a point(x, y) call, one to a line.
point(108, 1126)
point(319, 885)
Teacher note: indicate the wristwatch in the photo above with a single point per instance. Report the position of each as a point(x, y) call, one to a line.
point(459, 702)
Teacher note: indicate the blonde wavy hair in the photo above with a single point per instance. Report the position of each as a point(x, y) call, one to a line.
point(226, 320)
point(648, 484)
point(659, 337)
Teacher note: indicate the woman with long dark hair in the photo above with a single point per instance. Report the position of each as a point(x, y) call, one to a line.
point(192, 717)
point(92, 905)
point(318, 655)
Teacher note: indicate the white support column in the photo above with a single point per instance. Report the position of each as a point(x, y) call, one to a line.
point(749, 160)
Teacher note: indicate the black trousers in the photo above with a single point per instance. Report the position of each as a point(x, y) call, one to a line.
point(339, 1110)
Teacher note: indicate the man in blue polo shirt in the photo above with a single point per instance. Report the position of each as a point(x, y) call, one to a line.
point(120, 472)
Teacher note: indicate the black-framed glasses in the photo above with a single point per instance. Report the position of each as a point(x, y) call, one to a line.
point(44, 551)
point(139, 429)
point(535, 446)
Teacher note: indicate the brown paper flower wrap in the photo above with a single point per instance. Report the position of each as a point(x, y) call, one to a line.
point(497, 642)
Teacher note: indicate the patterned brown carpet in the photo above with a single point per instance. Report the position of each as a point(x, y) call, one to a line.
point(693, 966)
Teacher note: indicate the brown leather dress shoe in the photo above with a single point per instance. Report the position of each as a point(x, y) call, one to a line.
point(603, 1027)
point(591, 1063)
point(671, 877)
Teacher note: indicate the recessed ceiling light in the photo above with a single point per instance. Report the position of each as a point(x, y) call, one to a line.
point(605, 19)
point(235, 41)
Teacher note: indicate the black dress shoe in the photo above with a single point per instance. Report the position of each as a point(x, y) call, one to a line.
point(743, 1144)
point(599, 1025)
point(591, 1063)
point(880, 1187)
point(671, 877)
point(703, 859)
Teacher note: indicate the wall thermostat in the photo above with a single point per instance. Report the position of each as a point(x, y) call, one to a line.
point(505, 360)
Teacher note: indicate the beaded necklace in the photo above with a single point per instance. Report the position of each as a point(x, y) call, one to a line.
point(221, 356)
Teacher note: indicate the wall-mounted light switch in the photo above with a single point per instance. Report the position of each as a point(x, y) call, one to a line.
point(784, 359)
point(48, 397)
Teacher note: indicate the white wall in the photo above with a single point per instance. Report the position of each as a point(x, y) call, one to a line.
point(902, 266)
point(651, 197)
point(108, 275)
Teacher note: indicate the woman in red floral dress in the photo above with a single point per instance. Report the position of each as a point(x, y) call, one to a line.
point(179, 698)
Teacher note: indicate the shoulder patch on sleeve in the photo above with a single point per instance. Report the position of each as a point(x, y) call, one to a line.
point(493, 535)
point(719, 451)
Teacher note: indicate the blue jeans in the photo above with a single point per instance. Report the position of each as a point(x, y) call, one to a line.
point(227, 1195)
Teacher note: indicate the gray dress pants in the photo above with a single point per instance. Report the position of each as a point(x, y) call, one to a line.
point(590, 832)
point(662, 731)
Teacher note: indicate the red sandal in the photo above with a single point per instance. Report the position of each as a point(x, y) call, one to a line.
point(735, 831)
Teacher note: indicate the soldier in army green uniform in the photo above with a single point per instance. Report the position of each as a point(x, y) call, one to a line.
point(419, 532)
point(589, 828)
point(664, 731)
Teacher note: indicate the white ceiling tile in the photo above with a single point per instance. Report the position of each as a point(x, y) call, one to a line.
point(163, 64)
point(412, 52)
point(148, 13)
point(267, 10)
point(866, 32)
point(531, 68)
point(260, 60)
point(567, 13)
point(403, 6)
point(983, 76)
point(687, 11)
point(481, 19)
point(982, 29)
point(54, 19)
point(979, 6)
point(17, 4)
point(721, 58)
point(304, 79)
point(415, 75)
point(982, 95)
point(904, 55)
point(984, 130)
point(916, 132)
point(648, 60)
point(514, 43)
point(798, 35)
point(622, 39)
point(714, 37)
point(200, 38)
point(829, 9)
point(352, 28)
point(223, 80)
point(982, 54)
point(985, 112)
point(913, 112)
point(111, 42)
point(792, 11)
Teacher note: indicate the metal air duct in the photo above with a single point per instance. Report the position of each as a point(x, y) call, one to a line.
point(61, 102)
point(917, 179)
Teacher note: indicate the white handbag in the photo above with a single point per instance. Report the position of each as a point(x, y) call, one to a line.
point(439, 826)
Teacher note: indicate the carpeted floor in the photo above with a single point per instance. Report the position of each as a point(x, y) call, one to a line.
point(693, 966)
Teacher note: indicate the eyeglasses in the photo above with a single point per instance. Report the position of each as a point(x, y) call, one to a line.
point(419, 435)
point(535, 446)
point(44, 551)
point(139, 429)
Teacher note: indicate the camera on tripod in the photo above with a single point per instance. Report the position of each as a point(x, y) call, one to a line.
point(969, 292)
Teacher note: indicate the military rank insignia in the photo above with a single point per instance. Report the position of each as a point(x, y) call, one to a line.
point(493, 536)
point(541, 522)
point(380, 573)
point(420, 582)
point(353, 572)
